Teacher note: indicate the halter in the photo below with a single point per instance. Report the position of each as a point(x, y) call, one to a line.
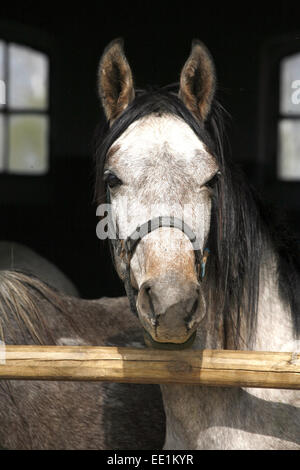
point(125, 250)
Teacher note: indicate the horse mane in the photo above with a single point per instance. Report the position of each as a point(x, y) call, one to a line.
point(241, 229)
point(20, 303)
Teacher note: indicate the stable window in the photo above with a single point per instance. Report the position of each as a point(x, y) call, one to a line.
point(288, 156)
point(24, 110)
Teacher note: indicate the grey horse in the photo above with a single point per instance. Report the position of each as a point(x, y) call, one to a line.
point(196, 251)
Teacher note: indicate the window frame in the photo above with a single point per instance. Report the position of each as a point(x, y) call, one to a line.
point(7, 111)
point(285, 116)
point(29, 189)
point(269, 116)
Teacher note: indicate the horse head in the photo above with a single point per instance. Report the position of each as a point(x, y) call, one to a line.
point(159, 170)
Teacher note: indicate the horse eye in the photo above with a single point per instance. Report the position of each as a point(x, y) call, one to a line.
point(111, 180)
point(213, 181)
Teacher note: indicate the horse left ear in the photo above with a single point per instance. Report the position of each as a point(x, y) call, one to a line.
point(116, 88)
point(198, 81)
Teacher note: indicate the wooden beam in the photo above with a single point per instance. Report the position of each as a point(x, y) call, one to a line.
point(148, 366)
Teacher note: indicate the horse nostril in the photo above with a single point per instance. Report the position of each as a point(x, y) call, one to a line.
point(195, 306)
point(169, 301)
point(153, 316)
point(189, 318)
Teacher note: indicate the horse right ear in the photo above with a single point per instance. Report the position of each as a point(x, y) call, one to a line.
point(115, 81)
point(198, 81)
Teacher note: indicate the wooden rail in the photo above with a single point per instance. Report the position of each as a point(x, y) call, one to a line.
point(147, 366)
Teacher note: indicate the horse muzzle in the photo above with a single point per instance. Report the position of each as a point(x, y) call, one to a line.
point(170, 309)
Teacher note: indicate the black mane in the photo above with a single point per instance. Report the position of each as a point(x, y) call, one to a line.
point(240, 227)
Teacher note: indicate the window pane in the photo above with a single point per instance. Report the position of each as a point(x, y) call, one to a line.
point(1, 142)
point(28, 72)
point(289, 149)
point(2, 74)
point(28, 144)
point(290, 85)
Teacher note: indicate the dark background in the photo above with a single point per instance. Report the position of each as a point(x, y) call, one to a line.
point(55, 214)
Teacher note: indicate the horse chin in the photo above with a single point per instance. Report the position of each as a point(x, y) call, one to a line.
point(151, 343)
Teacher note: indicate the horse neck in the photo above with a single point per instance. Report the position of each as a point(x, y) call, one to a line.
point(274, 329)
point(273, 326)
point(219, 418)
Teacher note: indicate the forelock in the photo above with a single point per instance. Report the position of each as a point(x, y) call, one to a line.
point(157, 102)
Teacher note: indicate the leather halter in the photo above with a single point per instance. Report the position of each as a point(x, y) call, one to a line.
point(125, 250)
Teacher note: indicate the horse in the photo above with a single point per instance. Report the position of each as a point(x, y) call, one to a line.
point(195, 248)
point(17, 256)
point(55, 415)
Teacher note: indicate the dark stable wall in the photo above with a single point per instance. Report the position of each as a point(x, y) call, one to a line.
point(55, 214)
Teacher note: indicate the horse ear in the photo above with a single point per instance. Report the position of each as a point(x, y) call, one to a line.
point(198, 81)
point(115, 81)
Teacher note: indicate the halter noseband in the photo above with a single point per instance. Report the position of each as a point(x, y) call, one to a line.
point(125, 249)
